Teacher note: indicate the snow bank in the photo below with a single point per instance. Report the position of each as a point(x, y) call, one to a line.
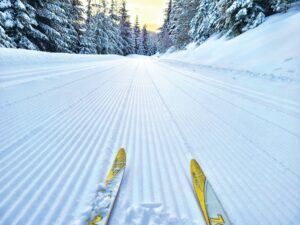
point(20, 66)
point(273, 48)
point(26, 58)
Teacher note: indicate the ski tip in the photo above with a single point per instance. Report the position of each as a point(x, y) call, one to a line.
point(122, 155)
point(193, 161)
point(122, 150)
point(196, 170)
point(194, 164)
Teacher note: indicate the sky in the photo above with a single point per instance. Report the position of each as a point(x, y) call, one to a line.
point(150, 12)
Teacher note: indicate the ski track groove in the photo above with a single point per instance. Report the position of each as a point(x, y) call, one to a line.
point(57, 158)
point(53, 155)
point(110, 117)
point(148, 159)
point(36, 74)
point(285, 103)
point(60, 113)
point(262, 148)
point(211, 112)
point(55, 126)
point(37, 117)
point(90, 148)
point(43, 92)
point(175, 148)
point(35, 166)
point(85, 147)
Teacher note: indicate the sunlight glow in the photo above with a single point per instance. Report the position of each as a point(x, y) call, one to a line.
point(150, 12)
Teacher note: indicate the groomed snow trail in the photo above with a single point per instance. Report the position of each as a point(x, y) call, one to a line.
point(62, 126)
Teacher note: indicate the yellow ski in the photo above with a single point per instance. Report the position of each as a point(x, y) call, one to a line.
point(211, 207)
point(112, 185)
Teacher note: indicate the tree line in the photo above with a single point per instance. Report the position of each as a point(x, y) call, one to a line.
point(69, 26)
point(100, 27)
point(189, 21)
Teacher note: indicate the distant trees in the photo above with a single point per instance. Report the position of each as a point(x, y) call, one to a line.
point(145, 41)
point(100, 27)
point(197, 20)
point(125, 30)
point(137, 37)
point(164, 39)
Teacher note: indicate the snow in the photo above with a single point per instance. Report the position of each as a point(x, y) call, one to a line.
point(231, 104)
point(271, 48)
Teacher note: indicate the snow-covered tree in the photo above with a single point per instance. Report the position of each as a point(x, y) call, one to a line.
point(101, 30)
point(164, 39)
point(5, 41)
point(107, 36)
point(278, 5)
point(137, 36)
point(77, 20)
point(102, 35)
point(89, 10)
point(206, 21)
point(152, 47)
point(113, 11)
point(115, 40)
point(241, 15)
point(273, 6)
point(125, 30)
point(20, 22)
point(88, 39)
point(181, 15)
point(69, 29)
point(53, 22)
point(145, 41)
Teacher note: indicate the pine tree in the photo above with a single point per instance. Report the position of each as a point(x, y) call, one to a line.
point(241, 16)
point(89, 11)
point(152, 46)
point(88, 38)
point(5, 41)
point(113, 12)
point(273, 6)
point(107, 36)
point(70, 32)
point(19, 24)
point(137, 36)
point(77, 20)
point(206, 21)
point(145, 41)
point(115, 40)
point(102, 35)
point(125, 30)
point(164, 39)
point(53, 22)
point(182, 13)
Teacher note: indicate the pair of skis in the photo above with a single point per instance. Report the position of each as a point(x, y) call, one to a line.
point(211, 207)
